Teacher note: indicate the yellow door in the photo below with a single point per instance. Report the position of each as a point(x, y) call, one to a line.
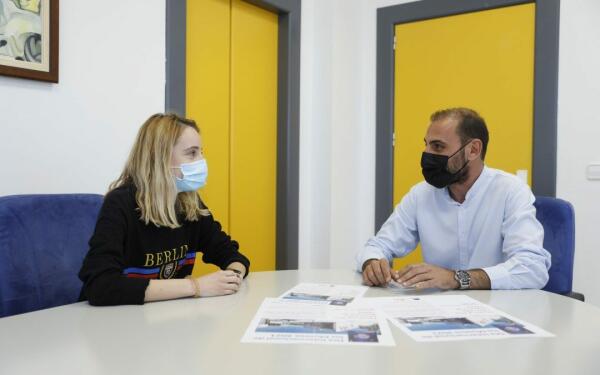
point(254, 132)
point(231, 91)
point(482, 60)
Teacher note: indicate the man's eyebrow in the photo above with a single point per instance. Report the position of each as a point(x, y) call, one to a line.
point(435, 141)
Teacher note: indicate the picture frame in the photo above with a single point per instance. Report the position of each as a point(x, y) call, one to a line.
point(29, 35)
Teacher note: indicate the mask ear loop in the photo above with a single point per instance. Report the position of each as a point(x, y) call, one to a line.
point(457, 151)
point(462, 147)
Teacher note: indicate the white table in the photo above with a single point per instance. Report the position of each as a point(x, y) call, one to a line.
point(202, 336)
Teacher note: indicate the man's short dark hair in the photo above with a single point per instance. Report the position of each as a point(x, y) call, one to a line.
point(470, 125)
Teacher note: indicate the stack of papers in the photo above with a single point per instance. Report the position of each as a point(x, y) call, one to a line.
point(338, 314)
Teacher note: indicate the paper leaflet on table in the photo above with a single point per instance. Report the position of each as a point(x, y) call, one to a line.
point(327, 294)
point(451, 317)
point(280, 321)
point(396, 287)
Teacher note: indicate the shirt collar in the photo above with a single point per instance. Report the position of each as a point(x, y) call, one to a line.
point(479, 185)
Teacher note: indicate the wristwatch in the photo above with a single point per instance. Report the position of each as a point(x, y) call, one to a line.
point(463, 278)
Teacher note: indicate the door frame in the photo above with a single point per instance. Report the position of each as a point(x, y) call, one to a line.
point(545, 97)
point(288, 109)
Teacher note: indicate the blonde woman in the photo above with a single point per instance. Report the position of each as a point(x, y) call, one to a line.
point(153, 222)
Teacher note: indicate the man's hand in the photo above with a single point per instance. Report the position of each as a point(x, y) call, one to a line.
point(377, 272)
point(423, 276)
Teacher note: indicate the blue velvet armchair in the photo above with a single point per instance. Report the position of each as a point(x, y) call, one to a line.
point(43, 240)
point(558, 219)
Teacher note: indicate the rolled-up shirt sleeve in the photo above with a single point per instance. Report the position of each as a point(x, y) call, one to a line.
point(526, 262)
point(397, 237)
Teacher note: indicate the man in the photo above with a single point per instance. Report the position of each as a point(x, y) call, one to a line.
point(476, 225)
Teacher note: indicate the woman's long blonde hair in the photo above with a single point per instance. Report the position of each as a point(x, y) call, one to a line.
point(148, 168)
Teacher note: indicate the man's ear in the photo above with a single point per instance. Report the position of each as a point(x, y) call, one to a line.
point(476, 148)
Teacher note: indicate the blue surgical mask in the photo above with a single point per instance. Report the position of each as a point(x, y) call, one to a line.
point(194, 176)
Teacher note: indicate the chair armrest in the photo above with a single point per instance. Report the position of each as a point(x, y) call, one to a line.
point(577, 296)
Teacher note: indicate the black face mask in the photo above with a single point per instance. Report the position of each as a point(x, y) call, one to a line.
point(435, 169)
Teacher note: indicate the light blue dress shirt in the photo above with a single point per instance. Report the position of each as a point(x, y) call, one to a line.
point(494, 229)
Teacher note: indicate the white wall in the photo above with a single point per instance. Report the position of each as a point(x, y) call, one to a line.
point(353, 128)
point(75, 136)
point(337, 144)
point(342, 72)
point(315, 134)
point(578, 135)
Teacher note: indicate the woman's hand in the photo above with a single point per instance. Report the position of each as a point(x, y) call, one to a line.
point(237, 267)
point(218, 283)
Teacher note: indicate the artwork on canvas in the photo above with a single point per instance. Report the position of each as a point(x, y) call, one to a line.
point(29, 39)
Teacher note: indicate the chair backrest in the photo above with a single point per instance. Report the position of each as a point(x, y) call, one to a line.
point(43, 240)
point(558, 218)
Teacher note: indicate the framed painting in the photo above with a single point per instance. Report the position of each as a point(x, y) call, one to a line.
point(29, 39)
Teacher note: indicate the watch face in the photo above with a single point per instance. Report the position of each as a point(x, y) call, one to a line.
point(463, 278)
